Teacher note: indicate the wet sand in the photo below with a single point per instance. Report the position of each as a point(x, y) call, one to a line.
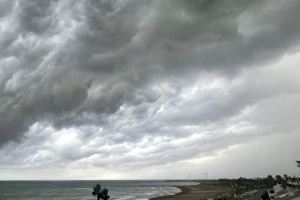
point(197, 192)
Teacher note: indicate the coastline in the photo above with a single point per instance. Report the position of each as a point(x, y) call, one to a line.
point(196, 192)
point(206, 191)
point(183, 190)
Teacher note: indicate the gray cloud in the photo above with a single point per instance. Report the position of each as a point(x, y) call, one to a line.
point(127, 73)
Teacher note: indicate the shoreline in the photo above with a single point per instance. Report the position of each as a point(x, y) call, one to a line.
point(206, 191)
point(196, 192)
point(183, 190)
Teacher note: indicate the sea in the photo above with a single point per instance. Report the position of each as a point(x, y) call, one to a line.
point(81, 190)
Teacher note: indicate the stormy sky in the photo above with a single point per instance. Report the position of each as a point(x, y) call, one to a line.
point(149, 89)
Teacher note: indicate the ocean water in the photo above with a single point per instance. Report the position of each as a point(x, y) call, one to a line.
point(81, 190)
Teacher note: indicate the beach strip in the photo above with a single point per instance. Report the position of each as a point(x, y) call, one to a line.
point(196, 192)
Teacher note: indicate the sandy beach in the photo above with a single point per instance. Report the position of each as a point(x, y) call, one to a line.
point(205, 191)
point(196, 192)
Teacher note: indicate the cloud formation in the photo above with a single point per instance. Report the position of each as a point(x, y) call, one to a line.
point(142, 83)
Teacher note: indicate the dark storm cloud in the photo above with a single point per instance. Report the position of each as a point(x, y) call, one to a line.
point(35, 16)
point(120, 65)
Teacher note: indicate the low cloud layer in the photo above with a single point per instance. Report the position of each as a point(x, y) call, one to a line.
point(143, 83)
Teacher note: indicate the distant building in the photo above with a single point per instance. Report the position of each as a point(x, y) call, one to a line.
point(278, 192)
point(277, 188)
